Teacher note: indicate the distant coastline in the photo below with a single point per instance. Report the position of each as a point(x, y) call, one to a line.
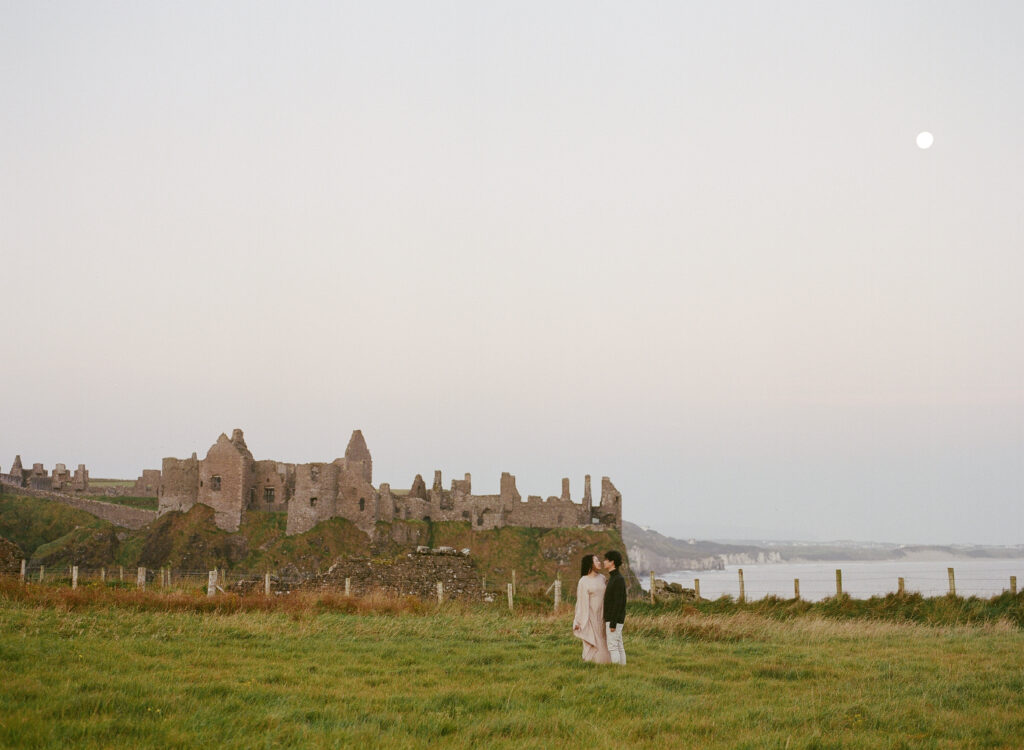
point(650, 550)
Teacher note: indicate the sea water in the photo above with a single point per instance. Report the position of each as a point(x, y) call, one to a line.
point(985, 578)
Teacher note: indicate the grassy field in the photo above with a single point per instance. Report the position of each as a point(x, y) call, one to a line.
point(150, 670)
point(103, 483)
point(145, 503)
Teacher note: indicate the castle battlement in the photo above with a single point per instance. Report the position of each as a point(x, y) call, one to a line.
point(233, 483)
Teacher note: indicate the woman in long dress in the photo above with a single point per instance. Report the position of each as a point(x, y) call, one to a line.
point(588, 624)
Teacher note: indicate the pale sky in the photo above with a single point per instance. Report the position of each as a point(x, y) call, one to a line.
point(691, 246)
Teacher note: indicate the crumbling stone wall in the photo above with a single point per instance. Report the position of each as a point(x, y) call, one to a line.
point(415, 574)
point(80, 481)
point(272, 488)
point(39, 478)
point(357, 457)
point(551, 513)
point(385, 503)
point(61, 478)
point(357, 499)
point(609, 513)
point(148, 484)
point(120, 515)
point(18, 472)
point(179, 484)
point(508, 508)
point(315, 499)
point(225, 477)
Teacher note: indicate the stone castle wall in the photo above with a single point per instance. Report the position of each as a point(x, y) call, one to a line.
point(38, 478)
point(179, 484)
point(231, 482)
point(147, 484)
point(120, 515)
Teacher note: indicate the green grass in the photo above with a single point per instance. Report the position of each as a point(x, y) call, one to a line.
point(331, 672)
point(145, 503)
point(103, 483)
point(31, 522)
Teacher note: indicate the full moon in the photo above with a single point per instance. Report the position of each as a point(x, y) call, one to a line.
point(925, 139)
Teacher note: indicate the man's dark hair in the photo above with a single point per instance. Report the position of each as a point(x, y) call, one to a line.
point(615, 557)
point(586, 565)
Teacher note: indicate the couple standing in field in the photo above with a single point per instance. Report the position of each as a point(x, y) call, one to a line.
point(601, 609)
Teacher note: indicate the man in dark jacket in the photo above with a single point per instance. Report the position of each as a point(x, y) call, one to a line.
point(614, 606)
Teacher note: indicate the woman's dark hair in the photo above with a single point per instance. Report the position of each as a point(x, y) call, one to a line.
point(586, 565)
point(615, 557)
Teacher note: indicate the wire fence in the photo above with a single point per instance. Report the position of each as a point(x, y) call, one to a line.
point(811, 582)
point(982, 579)
point(169, 579)
point(271, 583)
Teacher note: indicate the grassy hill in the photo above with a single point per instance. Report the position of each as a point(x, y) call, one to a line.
point(55, 535)
point(31, 523)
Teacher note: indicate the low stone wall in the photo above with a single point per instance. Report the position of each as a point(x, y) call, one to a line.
point(414, 574)
point(119, 515)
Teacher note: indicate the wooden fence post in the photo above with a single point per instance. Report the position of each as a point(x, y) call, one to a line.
point(211, 583)
point(952, 582)
point(23, 567)
point(796, 588)
point(121, 575)
point(140, 580)
point(696, 589)
point(652, 587)
point(103, 575)
point(1013, 585)
point(42, 571)
point(743, 591)
point(514, 590)
point(483, 584)
point(511, 593)
point(839, 582)
point(74, 576)
point(348, 587)
point(901, 584)
point(558, 593)
point(440, 592)
point(266, 584)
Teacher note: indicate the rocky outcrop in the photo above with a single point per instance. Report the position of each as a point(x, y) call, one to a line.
point(644, 559)
point(672, 592)
point(649, 550)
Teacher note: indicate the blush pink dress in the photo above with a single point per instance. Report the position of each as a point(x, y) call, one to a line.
point(588, 624)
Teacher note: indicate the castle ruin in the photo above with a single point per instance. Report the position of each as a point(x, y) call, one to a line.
point(233, 483)
point(38, 478)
